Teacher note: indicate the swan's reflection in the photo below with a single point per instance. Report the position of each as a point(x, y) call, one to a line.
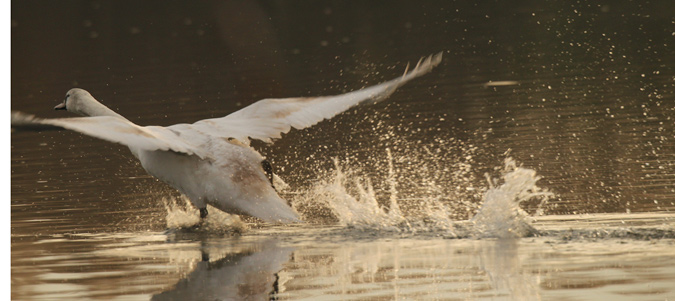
point(500, 259)
point(248, 273)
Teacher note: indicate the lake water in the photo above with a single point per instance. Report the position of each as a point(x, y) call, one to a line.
point(536, 162)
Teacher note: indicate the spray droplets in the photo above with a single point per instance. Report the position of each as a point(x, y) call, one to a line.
point(351, 199)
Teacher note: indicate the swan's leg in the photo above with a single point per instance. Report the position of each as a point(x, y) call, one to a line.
point(267, 167)
point(203, 212)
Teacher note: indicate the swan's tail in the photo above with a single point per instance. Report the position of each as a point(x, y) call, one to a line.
point(279, 212)
point(268, 206)
point(273, 209)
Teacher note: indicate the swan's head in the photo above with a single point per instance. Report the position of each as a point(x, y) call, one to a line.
point(80, 102)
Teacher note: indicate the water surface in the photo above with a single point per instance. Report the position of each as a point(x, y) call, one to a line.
point(577, 98)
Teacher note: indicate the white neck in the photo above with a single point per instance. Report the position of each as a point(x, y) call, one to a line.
point(95, 108)
point(86, 105)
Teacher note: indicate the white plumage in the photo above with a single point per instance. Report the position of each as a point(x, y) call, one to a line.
point(210, 161)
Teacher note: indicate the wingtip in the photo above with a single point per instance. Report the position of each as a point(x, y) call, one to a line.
point(285, 217)
point(433, 60)
point(436, 58)
point(424, 65)
point(21, 118)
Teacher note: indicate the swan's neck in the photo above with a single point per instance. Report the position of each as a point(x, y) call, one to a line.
point(95, 108)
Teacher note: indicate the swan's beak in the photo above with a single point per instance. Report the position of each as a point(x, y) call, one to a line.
point(61, 106)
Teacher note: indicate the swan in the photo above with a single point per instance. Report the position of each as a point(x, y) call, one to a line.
point(210, 161)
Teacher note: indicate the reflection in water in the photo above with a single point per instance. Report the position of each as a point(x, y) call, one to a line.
point(308, 262)
point(500, 259)
point(385, 269)
point(487, 269)
point(416, 269)
point(249, 273)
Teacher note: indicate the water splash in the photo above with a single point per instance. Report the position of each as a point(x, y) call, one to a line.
point(500, 214)
point(408, 198)
point(352, 200)
point(181, 215)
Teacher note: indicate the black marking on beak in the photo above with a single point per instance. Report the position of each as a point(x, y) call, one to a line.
point(62, 106)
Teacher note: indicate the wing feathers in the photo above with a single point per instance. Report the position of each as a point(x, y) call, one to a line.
point(264, 120)
point(111, 129)
point(269, 118)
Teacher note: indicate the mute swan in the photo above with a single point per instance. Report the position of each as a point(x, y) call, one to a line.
point(210, 161)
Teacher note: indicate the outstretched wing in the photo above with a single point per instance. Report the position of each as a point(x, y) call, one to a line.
point(111, 129)
point(269, 118)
